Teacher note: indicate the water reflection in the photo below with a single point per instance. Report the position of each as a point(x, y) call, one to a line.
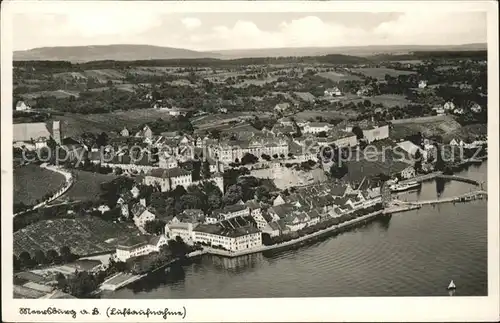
point(174, 274)
point(235, 265)
point(384, 221)
point(440, 184)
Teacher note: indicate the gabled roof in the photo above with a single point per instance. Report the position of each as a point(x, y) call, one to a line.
point(252, 205)
point(281, 210)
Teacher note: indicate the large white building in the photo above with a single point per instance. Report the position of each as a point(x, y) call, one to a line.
point(225, 236)
point(139, 246)
point(230, 151)
point(183, 224)
point(374, 133)
point(317, 127)
point(168, 179)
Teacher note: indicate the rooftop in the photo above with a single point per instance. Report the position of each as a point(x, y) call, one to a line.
point(218, 229)
point(168, 173)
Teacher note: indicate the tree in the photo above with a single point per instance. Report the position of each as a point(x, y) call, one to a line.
point(358, 132)
point(155, 226)
point(82, 284)
point(418, 161)
point(62, 282)
point(25, 260)
point(338, 169)
point(249, 159)
point(195, 172)
point(52, 256)
point(214, 201)
point(40, 257)
point(233, 195)
point(262, 193)
point(66, 254)
point(190, 201)
point(266, 157)
point(102, 140)
point(16, 263)
point(206, 169)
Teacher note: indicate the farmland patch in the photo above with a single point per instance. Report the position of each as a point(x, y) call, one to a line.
point(31, 183)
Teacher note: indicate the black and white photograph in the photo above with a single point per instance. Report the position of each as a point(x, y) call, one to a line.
point(190, 153)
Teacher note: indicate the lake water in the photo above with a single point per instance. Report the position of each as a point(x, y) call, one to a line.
point(415, 253)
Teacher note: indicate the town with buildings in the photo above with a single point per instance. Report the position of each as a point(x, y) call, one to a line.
point(122, 170)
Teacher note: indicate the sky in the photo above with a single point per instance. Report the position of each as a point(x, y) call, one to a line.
point(242, 30)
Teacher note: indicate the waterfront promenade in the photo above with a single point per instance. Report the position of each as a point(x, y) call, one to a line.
point(305, 238)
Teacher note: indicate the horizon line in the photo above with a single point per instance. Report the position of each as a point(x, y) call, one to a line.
point(251, 49)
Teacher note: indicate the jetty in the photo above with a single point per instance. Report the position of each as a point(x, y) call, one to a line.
point(479, 194)
point(400, 208)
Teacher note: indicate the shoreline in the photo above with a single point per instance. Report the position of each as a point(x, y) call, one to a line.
point(332, 229)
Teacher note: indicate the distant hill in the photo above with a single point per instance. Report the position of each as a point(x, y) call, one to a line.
point(351, 50)
point(80, 54)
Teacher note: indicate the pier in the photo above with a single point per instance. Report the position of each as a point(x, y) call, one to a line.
point(434, 175)
point(460, 198)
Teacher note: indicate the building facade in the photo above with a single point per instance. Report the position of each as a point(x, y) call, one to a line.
point(234, 240)
point(375, 133)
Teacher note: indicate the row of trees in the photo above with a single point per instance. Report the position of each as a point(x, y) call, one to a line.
point(27, 261)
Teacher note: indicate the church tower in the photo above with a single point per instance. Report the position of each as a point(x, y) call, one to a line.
point(56, 132)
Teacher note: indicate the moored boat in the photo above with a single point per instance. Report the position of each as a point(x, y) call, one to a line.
point(404, 187)
point(452, 286)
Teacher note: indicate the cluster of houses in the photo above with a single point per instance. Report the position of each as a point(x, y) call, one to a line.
point(450, 108)
point(239, 227)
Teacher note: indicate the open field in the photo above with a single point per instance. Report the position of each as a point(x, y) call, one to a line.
point(31, 183)
point(86, 187)
point(84, 236)
point(101, 75)
point(76, 124)
point(388, 100)
point(212, 120)
point(337, 77)
point(428, 126)
point(380, 72)
point(326, 114)
point(59, 94)
point(305, 96)
point(257, 82)
point(465, 132)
